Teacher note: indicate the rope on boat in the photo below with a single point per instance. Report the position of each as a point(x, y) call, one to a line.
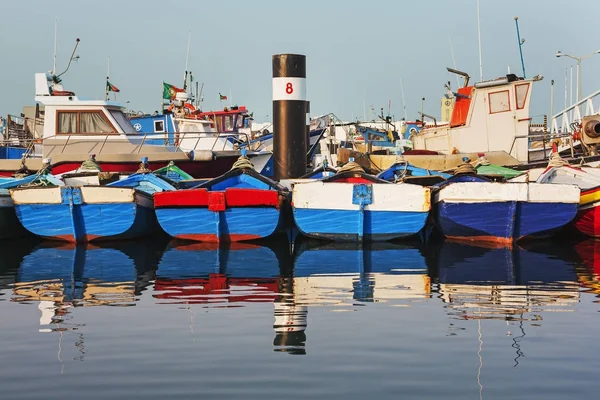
point(465, 169)
point(90, 164)
point(243, 162)
point(556, 160)
point(351, 166)
point(143, 168)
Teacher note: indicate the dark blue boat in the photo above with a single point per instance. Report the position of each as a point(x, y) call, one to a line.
point(472, 208)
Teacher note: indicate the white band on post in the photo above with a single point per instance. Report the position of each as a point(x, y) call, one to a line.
point(289, 89)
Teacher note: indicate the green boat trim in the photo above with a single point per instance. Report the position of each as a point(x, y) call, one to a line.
point(173, 173)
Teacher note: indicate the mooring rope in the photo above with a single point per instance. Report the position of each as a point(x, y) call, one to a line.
point(351, 166)
point(556, 160)
point(243, 162)
point(464, 169)
point(482, 160)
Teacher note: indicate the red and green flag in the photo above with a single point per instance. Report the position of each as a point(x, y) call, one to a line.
point(169, 91)
point(111, 88)
point(221, 97)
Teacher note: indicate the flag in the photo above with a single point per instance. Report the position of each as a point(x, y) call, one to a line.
point(111, 88)
point(221, 97)
point(169, 91)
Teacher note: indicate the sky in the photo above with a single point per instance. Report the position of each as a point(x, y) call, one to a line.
point(359, 54)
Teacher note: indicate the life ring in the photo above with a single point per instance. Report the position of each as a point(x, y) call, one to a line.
point(190, 107)
point(62, 93)
point(170, 108)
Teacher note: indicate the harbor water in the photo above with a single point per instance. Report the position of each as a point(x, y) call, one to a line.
point(156, 319)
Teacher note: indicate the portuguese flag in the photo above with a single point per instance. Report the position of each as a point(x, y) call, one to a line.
point(111, 88)
point(222, 97)
point(169, 91)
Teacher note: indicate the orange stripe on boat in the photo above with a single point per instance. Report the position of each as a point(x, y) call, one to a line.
point(213, 238)
point(490, 242)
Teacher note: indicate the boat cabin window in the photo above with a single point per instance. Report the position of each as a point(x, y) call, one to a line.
point(123, 121)
point(499, 102)
point(159, 126)
point(83, 122)
point(521, 95)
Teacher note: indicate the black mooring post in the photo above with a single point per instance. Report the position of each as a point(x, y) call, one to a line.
point(289, 116)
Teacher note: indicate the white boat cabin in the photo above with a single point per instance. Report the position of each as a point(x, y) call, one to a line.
point(487, 116)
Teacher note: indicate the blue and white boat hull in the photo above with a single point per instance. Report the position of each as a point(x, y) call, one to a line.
point(83, 214)
point(333, 210)
point(503, 212)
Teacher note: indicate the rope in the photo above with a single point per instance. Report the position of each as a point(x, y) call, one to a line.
point(243, 162)
point(143, 169)
point(350, 166)
point(465, 169)
point(556, 160)
point(89, 165)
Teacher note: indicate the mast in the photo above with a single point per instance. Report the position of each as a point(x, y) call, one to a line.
point(521, 41)
point(55, 37)
point(453, 60)
point(403, 100)
point(187, 57)
point(479, 39)
point(107, 78)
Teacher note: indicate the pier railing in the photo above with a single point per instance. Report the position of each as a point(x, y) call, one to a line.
point(567, 120)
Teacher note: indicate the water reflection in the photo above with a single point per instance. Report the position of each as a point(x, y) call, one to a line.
point(514, 285)
point(504, 283)
point(588, 270)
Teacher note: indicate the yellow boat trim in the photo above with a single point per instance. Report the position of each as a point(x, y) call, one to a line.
point(589, 197)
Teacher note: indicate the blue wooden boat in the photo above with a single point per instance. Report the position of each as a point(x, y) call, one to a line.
point(10, 226)
point(355, 206)
point(472, 208)
point(237, 206)
point(120, 210)
point(399, 171)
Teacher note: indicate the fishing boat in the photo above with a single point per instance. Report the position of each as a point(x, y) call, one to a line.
point(237, 206)
point(72, 128)
point(354, 206)
point(587, 179)
point(120, 210)
point(473, 208)
point(10, 226)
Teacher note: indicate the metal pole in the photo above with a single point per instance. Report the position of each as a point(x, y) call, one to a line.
point(578, 79)
point(520, 45)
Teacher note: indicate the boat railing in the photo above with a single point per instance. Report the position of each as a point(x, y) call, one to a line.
point(231, 141)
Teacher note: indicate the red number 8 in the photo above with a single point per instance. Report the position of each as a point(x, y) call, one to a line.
point(289, 89)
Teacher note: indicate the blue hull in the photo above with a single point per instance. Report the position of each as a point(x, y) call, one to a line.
point(231, 225)
point(348, 225)
point(87, 222)
point(501, 221)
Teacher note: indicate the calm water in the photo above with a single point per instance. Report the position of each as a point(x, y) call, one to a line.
point(155, 319)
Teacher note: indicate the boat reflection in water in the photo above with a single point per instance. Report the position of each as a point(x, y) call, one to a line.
point(588, 265)
point(60, 277)
point(319, 274)
point(504, 283)
point(12, 252)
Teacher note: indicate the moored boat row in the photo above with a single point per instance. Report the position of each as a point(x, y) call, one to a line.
point(345, 205)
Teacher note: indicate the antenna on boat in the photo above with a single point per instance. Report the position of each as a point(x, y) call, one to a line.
point(107, 78)
point(403, 100)
point(73, 57)
point(521, 41)
point(453, 59)
point(187, 57)
point(479, 39)
point(55, 36)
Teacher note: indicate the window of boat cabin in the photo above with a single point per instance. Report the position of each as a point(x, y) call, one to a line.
point(159, 126)
point(521, 91)
point(499, 101)
point(123, 122)
point(83, 122)
point(228, 123)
